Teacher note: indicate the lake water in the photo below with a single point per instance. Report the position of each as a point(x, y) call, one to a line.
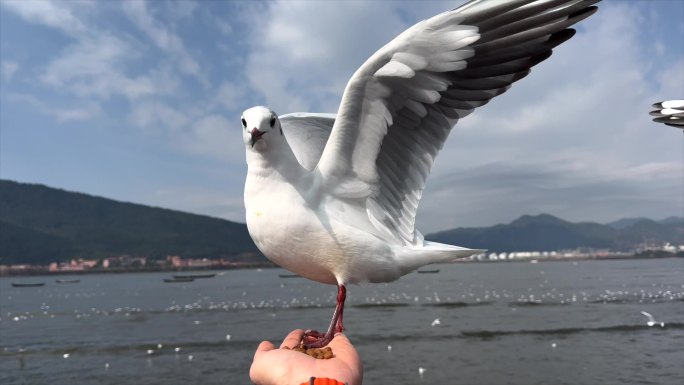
point(499, 323)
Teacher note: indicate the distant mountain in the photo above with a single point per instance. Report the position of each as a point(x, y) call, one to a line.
point(672, 220)
point(625, 222)
point(39, 224)
point(546, 232)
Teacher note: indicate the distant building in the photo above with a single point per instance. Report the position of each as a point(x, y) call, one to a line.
point(124, 261)
point(73, 265)
point(176, 261)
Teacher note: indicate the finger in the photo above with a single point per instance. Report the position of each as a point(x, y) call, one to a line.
point(340, 340)
point(264, 346)
point(293, 339)
point(343, 348)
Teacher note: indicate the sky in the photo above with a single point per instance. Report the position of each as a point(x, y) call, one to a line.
point(141, 102)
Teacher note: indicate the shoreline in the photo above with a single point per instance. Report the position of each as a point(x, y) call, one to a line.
point(43, 270)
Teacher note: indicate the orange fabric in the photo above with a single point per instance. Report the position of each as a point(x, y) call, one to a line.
point(323, 381)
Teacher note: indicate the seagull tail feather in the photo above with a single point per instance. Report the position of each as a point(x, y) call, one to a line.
point(433, 252)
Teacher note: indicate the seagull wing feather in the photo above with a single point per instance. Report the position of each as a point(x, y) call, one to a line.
point(670, 112)
point(307, 133)
point(400, 105)
point(650, 317)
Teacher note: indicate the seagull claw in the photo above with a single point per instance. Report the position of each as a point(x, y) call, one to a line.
point(315, 339)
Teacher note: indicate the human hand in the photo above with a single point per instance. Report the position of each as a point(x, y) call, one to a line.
point(273, 366)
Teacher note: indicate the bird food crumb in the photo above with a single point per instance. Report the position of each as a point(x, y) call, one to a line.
point(319, 353)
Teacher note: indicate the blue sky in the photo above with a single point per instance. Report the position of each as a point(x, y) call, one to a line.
point(141, 101)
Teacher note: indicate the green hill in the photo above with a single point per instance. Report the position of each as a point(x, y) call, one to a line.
point(39, 224)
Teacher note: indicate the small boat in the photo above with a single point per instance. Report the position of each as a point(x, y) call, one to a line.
point(289, 276)
point(194, 276)
point(435, 271)
point(28, 284)
point(67, 280)
point(174, 280)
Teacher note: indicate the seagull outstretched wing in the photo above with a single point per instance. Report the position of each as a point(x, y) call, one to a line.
point(400, 105)
point(649, 316)
point(670, 112)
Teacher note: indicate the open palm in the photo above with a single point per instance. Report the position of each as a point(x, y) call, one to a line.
point(273, 366)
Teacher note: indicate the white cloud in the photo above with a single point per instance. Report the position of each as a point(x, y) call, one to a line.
point(97, 64)
point(223, 26)
point(92, 67)
point(216, 203)
point(577, 191)
point(670, 82)
point(86, 111)
point(215, 136)
point(158, 118)
point(179, 10)
point(52, 14)
point(8, 69)
point(191, 129)
point(230, 94)
point(299, 62)
point(164, 39)
point(81, 113)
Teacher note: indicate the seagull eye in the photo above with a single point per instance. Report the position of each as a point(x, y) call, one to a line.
point(272, 121)
point(244, 122)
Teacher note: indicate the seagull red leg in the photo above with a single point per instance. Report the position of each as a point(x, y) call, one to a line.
point(341, 296)
point(314, 339)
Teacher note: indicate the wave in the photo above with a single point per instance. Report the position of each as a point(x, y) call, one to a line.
point(491, 334)
point(139, 314)
point(380, 305)
point(536, 303)
point(486, 334)
point(142, 349)
point(151, 350)
point(632, 300)
point(457, 304)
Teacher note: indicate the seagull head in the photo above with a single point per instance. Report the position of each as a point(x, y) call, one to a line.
point(259, 123)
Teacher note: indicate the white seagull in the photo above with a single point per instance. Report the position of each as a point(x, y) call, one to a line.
point(670, 112)
point(651, 321)
point(333, 198)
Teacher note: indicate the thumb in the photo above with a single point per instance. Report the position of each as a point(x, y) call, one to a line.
point(256, 371)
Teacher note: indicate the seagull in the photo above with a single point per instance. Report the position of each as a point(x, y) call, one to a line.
point(670, 112)
point(435, 322)
point(651, 321)
point(333, 197)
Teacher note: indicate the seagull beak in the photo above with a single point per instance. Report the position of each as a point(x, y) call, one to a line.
point(256, 135)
